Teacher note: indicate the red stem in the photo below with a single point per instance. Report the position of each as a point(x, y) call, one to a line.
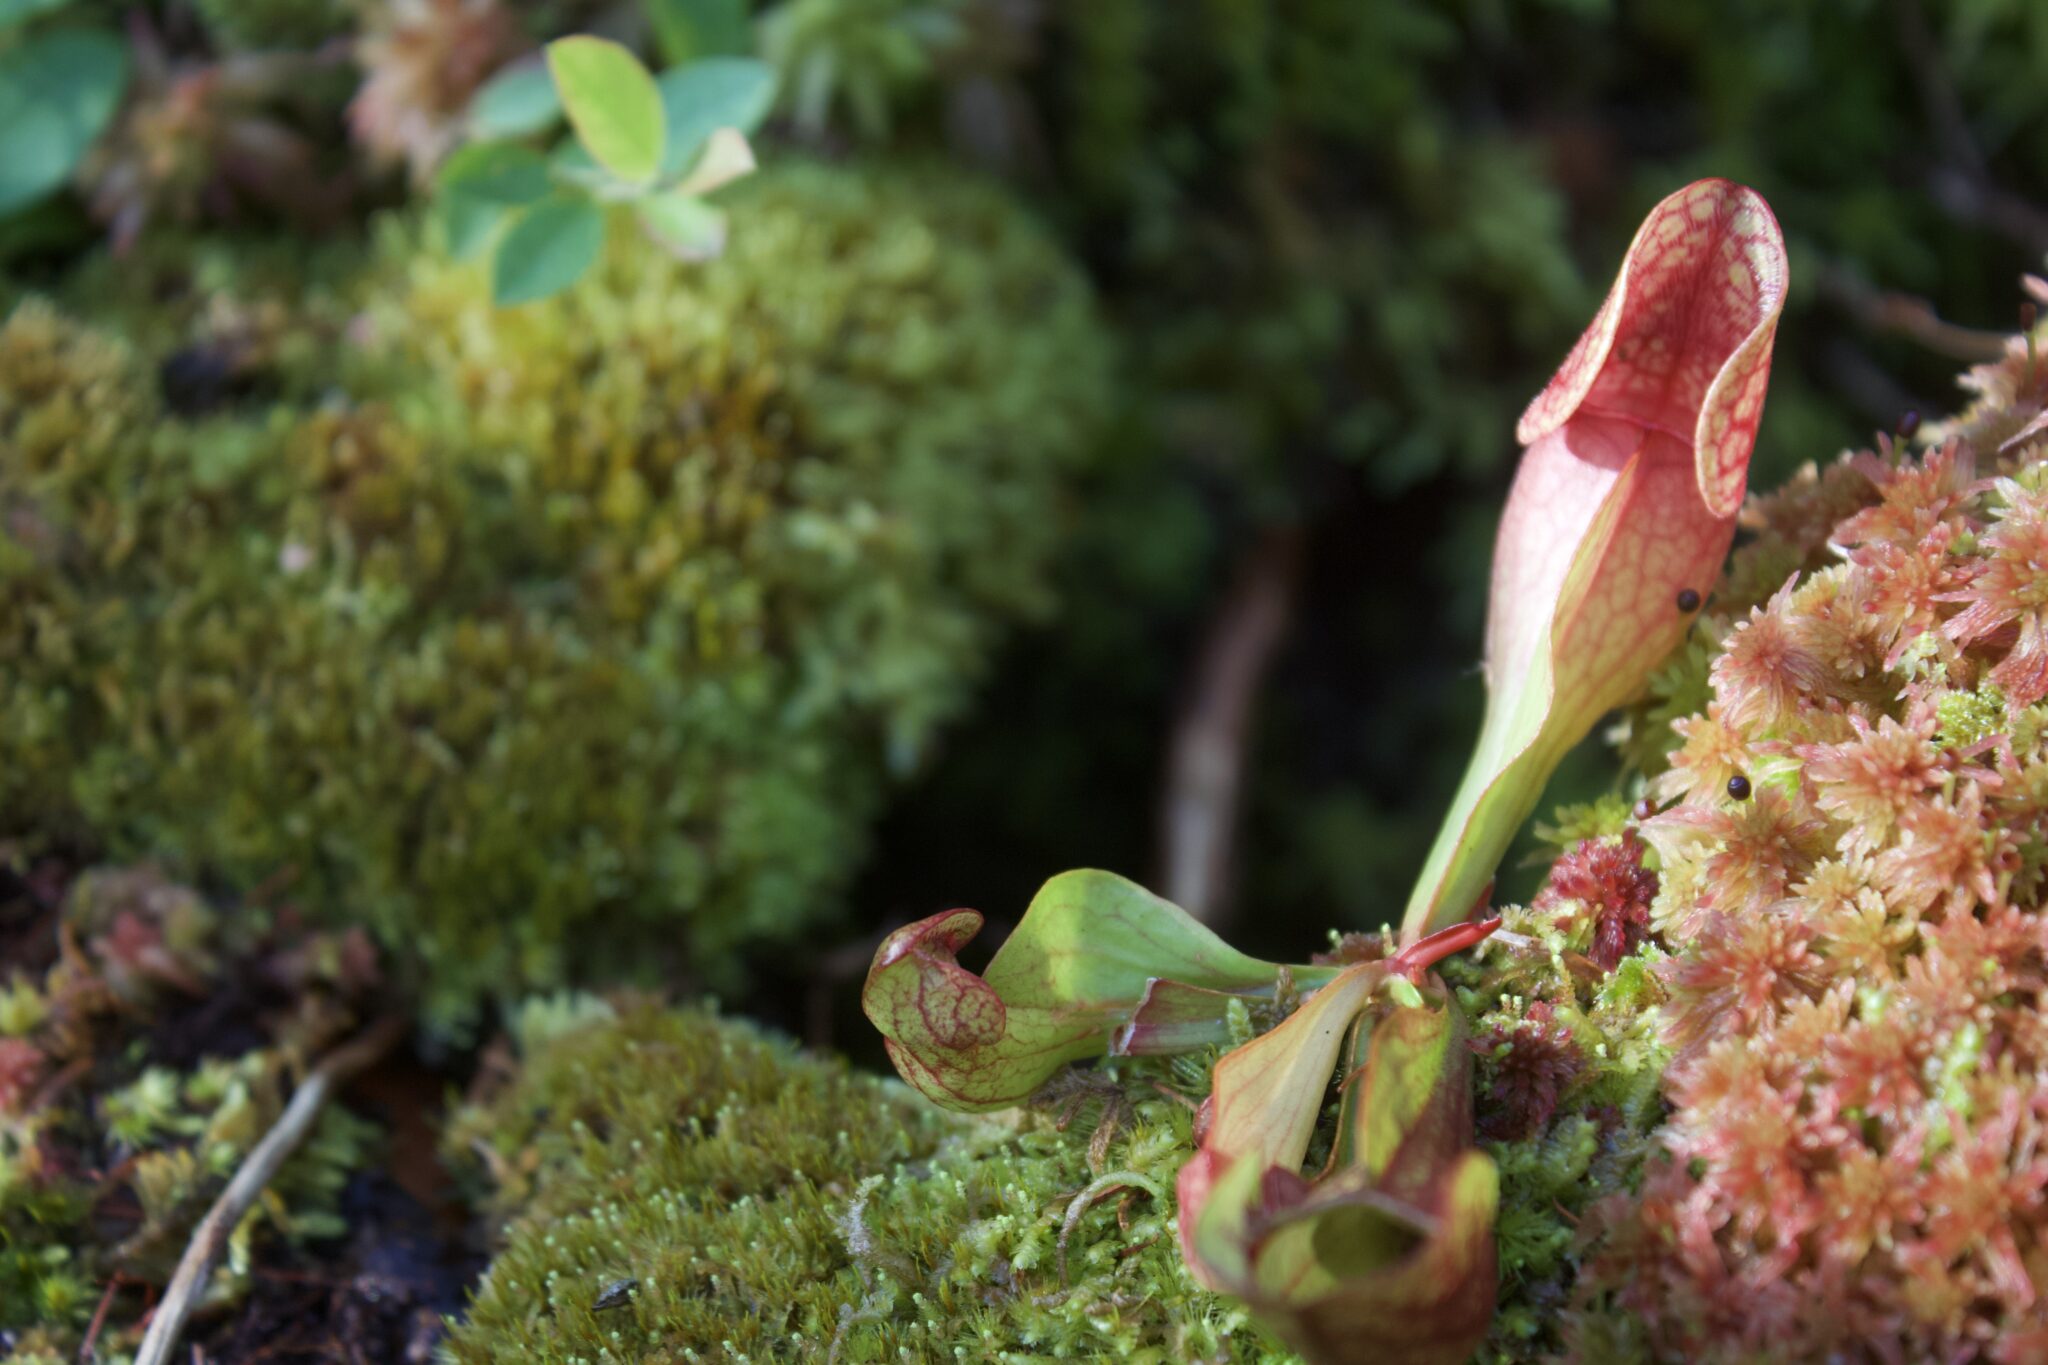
point(1419, 956)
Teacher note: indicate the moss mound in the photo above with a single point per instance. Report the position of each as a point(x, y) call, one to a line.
point(613, 609)
point(675, 1187)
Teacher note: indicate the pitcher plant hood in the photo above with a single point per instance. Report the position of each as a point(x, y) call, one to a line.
point(1635, 461)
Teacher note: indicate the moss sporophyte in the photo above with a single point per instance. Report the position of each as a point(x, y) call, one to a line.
point(1635, 463)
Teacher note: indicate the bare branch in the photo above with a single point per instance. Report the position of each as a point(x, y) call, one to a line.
point(1205, 769)
point(1908, 316)
point(257, 1171)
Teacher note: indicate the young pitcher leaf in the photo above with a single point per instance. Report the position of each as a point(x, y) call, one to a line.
point(612, 103)
point(1389, 1256)
point(1636, 457)
point(1068, 984)
point(1352, 1275)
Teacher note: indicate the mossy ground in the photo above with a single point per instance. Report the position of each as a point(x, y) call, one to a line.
point(677, 1187)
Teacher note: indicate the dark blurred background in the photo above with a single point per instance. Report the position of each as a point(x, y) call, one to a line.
point(1348, 241)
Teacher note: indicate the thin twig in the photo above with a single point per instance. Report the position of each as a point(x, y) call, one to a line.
point(1205, 770)
point(1908, 316)
point(257, 1171)
point(99, 1316)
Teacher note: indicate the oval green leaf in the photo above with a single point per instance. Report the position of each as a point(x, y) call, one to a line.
point(480, 185)
point(498, 173)
point(546, 250)
point(57, 91)
point(467, 223)
point(612, 103)
point(517, 102)
point(699, 99)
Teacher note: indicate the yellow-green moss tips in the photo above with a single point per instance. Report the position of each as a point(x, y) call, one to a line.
point(616, 609)
point(675, 1187)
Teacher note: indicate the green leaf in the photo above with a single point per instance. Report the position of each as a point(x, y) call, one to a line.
point(480, 186)
point(686, 30)
point(57, 91)
point(547, 249)
point(517, 102)
point(497, 172)
point(612, 103)
point(699, 99)
point(1075, 980)
point(569, 161)
point(685, 224)
point(14, 12)
point(467, 223)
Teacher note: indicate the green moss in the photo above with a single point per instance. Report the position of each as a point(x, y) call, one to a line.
point(1569, 1064)
point(676, 1187)
point(616, 610)
point(1969, 718)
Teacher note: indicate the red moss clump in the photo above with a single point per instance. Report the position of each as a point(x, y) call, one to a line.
point(1533, 1061)
point(1604, 880)
point(21, 1069)
point(1855, 1166)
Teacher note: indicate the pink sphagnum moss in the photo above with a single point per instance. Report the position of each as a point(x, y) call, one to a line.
point(1850, 889)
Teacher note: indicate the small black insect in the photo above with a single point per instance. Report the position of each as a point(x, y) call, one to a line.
point(208, 376)
point(1688, 599)
point(1738, 787)
point(617, 1294)
point(1909, 424)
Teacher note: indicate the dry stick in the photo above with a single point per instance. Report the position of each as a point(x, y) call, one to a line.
point(1910, 317)
point(1205, 769)
point(257, 1170)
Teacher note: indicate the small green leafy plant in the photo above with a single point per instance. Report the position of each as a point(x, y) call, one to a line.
point(656, 145)
point(59, 85)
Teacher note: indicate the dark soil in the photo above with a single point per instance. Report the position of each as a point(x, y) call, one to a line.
point(379, 1295)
